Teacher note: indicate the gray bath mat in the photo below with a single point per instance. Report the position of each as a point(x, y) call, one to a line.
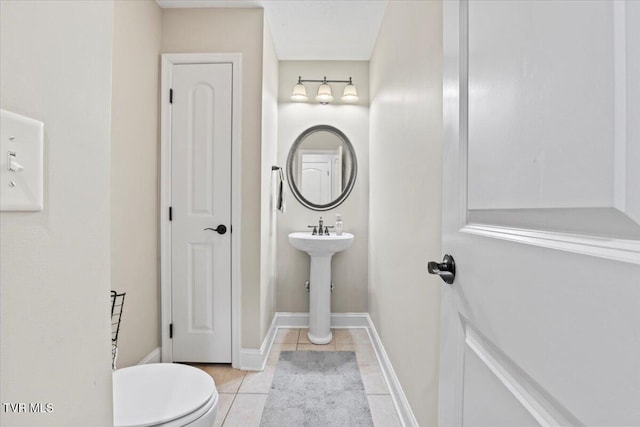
point(317, 389)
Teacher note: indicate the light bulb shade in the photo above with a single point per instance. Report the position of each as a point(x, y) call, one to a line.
point(350, 94)
point(324, 94)
point(299, 93)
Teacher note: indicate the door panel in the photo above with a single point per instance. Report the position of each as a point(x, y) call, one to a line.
point(530, 65)
point(315, 182)
point(201, 198)
point(201, 162)
point(199, 289)
point(546, 122)
point(316, 177)
point(540, 325)
point(482, 389)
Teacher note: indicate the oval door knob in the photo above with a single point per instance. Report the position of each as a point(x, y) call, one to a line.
point(445, 269)
point(221, 229)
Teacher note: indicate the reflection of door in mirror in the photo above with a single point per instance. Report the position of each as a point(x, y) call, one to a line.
point(320, 174)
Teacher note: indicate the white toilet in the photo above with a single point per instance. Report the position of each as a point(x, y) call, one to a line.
point(163, 394)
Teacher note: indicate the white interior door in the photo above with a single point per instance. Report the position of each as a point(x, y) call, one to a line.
point(315, 171)
point(541, 213)
point(201, 202)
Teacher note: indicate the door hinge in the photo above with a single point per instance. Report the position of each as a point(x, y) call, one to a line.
point(170, 96)
point(170, 330)
point(170, 213)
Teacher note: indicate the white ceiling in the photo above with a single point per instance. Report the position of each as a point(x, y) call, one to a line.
point(312, 29)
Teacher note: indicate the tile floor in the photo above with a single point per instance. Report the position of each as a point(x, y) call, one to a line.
point(243, 394)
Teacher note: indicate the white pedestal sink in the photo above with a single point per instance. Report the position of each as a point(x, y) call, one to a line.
point(320, 249)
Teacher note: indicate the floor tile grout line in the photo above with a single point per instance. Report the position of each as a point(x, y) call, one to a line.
point(241, 382)
point(224, 420)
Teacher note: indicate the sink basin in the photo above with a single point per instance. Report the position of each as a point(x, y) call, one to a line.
point(320, 245)
point(321, 250)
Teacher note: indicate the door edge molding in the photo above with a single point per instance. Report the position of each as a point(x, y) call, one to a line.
point(168, 60)
point(536, 401)
point(614, 249)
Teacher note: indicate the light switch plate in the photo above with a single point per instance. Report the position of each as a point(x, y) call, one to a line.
point(21, 145)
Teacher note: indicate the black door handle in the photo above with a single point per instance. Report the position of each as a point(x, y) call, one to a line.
point(221, 229)
point(445, 269)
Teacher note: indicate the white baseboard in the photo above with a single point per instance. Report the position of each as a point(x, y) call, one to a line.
point(153, 357)
point(255, 359)
point(338, 320)
point(407, 418)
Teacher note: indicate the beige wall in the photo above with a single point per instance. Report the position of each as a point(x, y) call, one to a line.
point(134, 175)
point(55, 346)
point(234, 30)
point(349, 268)
point(405, 197)
point(269, 158)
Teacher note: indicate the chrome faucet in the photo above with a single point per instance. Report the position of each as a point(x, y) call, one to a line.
point(317, 229)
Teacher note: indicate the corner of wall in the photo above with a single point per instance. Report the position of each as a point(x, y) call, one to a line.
point(134, 175)
point(269, 158)
point(55, 66)
point(406, 108)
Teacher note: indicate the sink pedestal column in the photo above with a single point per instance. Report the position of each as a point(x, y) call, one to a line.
point(320, 299)
point(320, 249)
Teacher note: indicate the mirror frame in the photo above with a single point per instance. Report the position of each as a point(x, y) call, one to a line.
point(352, 176)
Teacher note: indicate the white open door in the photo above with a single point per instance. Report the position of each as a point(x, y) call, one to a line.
point(201, 134)
point(315, 176)
point(541, 213)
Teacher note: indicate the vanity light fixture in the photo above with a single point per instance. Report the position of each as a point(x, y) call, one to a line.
point(299, 92)
point(350, 93)
point(325, 94)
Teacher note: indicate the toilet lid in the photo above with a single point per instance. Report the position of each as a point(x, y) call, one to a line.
point(148, 395)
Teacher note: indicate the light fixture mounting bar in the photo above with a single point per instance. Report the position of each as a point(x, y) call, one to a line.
point(324, 81)
point(324, 91)
point(301, 80)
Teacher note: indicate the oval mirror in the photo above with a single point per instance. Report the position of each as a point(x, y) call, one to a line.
point(321, 167)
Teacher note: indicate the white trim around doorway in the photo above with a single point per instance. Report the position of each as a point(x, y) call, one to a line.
point(168, 61)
